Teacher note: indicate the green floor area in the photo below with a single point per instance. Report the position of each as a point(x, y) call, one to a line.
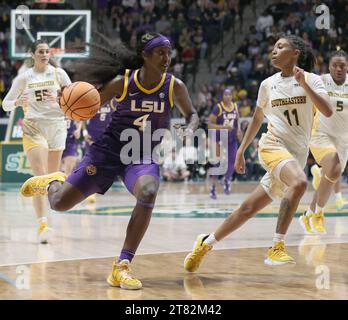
point(173, 210)
point(192, 211)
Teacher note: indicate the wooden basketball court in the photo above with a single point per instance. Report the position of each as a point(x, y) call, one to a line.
point(87, 238)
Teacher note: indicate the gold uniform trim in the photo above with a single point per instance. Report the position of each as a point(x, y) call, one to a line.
point(56, 76)
point(112, 104)
point(220, 109)
point(226, 109)
point(150, 91)
point(171, 88)
point(125, 87)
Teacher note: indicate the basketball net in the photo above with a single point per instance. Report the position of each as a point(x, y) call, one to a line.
point(57, 54)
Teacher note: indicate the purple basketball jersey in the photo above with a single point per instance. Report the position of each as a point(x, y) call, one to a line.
point(141, 110)
point(70, 143)
point(138, 109)
point(227, 117)
point(97, 125)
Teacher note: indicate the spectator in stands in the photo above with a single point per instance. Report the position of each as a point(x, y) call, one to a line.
point(174, 167)
point(253, 168)
point(254, 34)
point(264, 22)
point(244, 106)
point(162, 25)
point(200, 43)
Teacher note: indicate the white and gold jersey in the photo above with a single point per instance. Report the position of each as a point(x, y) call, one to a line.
point(289, 109)
point(37, 85)
point(336, 125)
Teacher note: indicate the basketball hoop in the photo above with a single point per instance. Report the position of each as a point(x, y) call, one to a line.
point(56, 52)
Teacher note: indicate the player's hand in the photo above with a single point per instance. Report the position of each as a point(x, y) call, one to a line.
point(59, 93)
point(50, 97)
point(182, 131)
point(240, 162)
point(77, 134)
point(22, 101)
point(88, 139)
point(228, 127)
point(299, 76)
point(239, 135)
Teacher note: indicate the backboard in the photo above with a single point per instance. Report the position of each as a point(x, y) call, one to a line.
point(63, 29)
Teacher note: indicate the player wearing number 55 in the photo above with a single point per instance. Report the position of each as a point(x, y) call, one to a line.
point(145, 94)
point(44, 126)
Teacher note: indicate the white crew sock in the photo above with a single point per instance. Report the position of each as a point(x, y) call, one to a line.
point(338, 196)
point(278, 237)
point(309, 212)
point(42, 220)
point(318, 209)
point(210, 240)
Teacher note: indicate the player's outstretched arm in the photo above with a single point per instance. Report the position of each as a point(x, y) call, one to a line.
point(113, 88)
point(253, 128)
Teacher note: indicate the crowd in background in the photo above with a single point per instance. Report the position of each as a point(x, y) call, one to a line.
point(193, 27)
point(251, 62)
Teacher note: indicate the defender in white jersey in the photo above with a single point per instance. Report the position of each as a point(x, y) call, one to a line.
point(329, 145)
point(44, 127)
point(286, 99)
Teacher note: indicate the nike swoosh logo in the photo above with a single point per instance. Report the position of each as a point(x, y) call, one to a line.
point(133, 94)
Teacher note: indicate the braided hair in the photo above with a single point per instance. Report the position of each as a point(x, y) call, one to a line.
point(338, 53)
point(307, 58)
point(105, 61)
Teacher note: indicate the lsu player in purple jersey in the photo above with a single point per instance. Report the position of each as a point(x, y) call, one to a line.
point(225, 116)
point(95, 127)
point(70, 154)
point(145, 94)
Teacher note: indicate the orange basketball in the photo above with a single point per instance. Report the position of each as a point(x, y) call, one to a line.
point(80, 101)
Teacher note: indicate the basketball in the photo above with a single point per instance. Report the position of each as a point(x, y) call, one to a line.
point(80, 101)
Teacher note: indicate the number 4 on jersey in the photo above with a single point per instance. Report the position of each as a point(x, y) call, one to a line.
point(141, 122)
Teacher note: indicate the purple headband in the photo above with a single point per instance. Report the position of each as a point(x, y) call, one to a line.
point(156, 42)
point(228, 91)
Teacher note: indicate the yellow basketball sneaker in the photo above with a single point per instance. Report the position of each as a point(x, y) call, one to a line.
point(37, 186)
point(316, 221)
point(316, 173)
point(194, 258)
point(120, 276)
point(277, 255)
point(304, 222)
point(341, 204)
point(44, 233)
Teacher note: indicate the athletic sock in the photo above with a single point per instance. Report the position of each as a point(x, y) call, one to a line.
point(42, 220)
point(318, 209)
point(210, 239)
point(278, 237)
point(309, 212)
point(126, 254)
point(338, 196)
